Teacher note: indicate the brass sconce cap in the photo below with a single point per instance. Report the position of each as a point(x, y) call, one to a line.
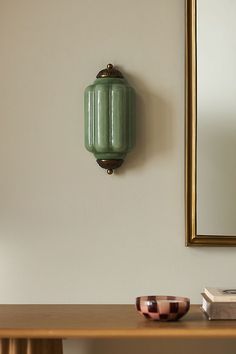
point(110, 165)
point(110, 71)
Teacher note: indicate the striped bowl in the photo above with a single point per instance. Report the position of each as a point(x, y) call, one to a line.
point(162, 308)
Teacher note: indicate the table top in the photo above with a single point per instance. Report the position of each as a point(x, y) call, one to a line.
point(104, 321)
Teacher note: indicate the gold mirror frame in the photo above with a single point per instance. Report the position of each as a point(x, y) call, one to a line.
point(192, 238)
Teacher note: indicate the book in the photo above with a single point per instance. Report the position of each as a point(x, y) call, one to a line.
point(218, 310)
point(221, 294)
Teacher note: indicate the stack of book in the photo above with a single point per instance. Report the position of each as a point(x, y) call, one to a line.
point(219, 304)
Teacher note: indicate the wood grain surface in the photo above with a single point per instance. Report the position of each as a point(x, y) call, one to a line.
point(31, 346)
point(104, 321)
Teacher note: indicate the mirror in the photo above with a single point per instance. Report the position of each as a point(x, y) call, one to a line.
point(210, 122)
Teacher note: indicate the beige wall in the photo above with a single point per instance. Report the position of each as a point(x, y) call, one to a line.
point(70, 233)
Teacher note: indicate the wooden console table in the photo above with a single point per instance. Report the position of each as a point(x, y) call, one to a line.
point(104, 321)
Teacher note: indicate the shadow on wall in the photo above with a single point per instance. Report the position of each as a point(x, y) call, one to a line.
point(150, 346)
point(153, 126)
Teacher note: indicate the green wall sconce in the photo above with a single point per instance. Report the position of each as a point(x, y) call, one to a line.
point(109, 118)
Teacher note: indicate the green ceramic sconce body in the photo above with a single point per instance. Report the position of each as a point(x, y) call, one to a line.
point(109, 118)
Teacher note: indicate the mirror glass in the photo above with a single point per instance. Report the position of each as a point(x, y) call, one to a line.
point(210, 164)
point(216, 117)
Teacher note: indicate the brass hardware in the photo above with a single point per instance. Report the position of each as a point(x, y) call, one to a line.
point(110, 71)
point(110, 165)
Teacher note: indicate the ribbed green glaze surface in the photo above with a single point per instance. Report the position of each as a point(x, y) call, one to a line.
point(109, 118)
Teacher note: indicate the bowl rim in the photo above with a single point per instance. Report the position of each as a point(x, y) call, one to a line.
point(168, 298)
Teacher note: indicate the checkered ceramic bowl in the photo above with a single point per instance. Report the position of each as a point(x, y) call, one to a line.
point(162, 308)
